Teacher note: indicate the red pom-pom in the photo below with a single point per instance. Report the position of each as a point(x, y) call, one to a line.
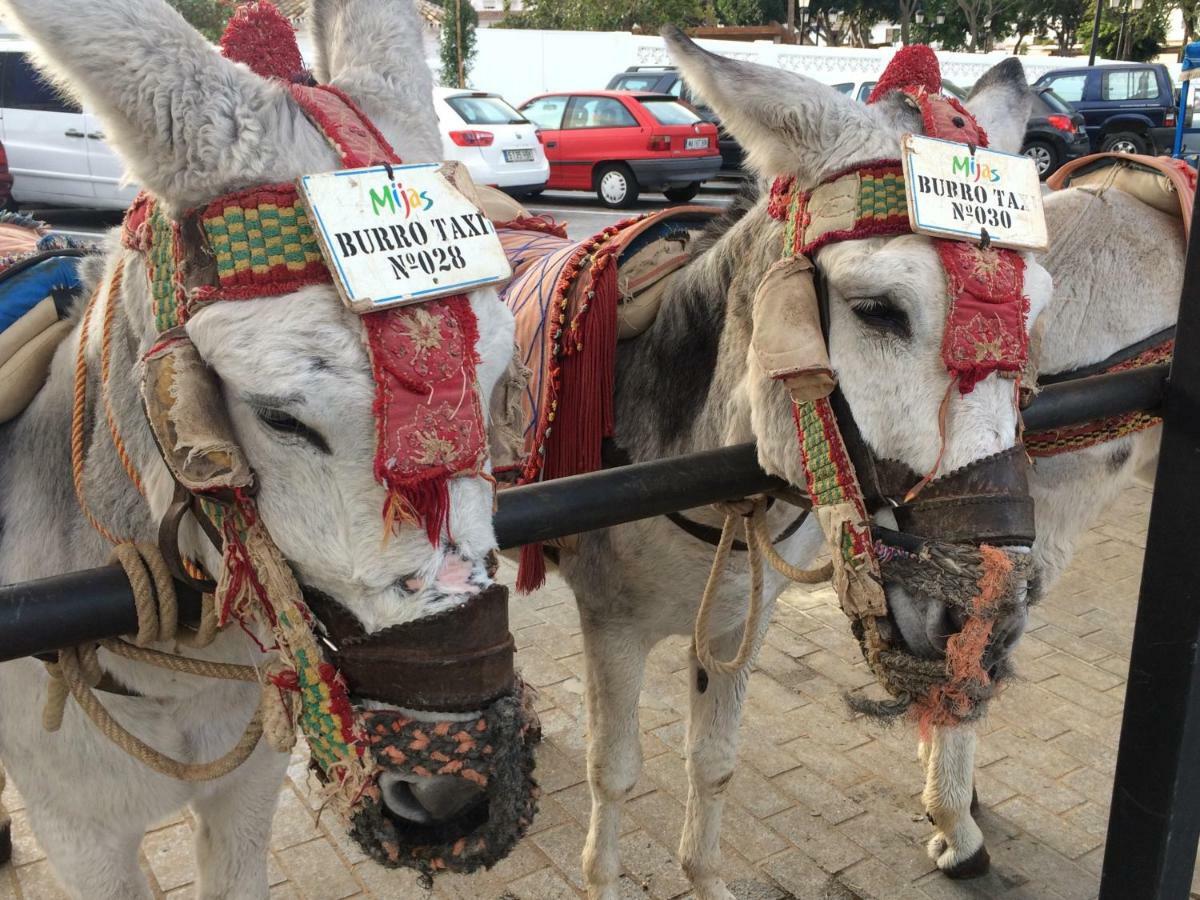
point(259, 36)
point(914, 66)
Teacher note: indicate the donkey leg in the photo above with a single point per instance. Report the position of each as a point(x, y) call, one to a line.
point(957, 845)
point(92, 859)
point(233, 830)
point(714, 721)
point(616, 663)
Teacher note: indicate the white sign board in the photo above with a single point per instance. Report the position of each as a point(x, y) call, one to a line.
point(956, 193)
point(401, 235)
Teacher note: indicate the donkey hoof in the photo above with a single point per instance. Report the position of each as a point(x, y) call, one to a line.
point(974, 866)
point(936, 847)
point(5, 841)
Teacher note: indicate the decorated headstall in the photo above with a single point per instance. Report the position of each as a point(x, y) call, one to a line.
point(960, 535)
point(429, 429)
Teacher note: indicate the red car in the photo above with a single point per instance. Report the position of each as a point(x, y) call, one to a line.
point(619, 143)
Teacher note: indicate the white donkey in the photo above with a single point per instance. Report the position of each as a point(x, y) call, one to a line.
point(297, 384)
point(1117, 265)
point(689, 383)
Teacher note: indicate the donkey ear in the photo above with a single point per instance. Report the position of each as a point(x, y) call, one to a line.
point(1000, 101)
point(187, 121)
point(373, 50)
point(788, 124)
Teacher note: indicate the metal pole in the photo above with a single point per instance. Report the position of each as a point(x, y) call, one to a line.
point(791, 20)
point(1095, 32)
point(1155, 819)
point(83, 607)
point(1121, 34)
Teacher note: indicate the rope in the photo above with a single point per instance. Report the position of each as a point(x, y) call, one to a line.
point(753, 512)
point(78, 417)
point(78, 671)
point(110, 307)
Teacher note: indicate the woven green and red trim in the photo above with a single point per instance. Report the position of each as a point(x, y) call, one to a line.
point(263, 237)
point(881, 207)
point(1056, 441)
point(829, 473)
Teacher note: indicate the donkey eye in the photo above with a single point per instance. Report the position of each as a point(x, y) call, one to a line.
point(281, 423)
point(882, 314)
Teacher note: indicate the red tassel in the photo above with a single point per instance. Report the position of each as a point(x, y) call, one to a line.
point(531, 572)
point(425, 502)
point(585, 401)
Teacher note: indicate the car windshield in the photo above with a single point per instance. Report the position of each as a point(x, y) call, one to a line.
point(647, 82)
point(1046, 102)
point(670, 112)
point(844, 88)
point(485, 109)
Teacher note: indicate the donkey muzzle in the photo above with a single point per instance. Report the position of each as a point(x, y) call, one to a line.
point(480, 730)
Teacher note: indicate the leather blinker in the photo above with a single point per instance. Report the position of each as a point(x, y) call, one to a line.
point(787, 340)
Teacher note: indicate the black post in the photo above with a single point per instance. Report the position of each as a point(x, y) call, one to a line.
point(1155, 819)
point(1095, 32)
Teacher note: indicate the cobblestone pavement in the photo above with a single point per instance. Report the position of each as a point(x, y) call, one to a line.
point(822, 807)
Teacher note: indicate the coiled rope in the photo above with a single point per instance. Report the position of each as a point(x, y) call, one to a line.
point(753, 513)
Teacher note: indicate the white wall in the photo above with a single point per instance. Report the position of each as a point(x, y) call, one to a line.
point(519, 63)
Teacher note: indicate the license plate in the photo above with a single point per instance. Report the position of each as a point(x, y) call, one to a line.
point(696, 144)
point(524, 155)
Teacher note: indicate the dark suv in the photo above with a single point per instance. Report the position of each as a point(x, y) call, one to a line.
point(666, 80)
point(1126, 107)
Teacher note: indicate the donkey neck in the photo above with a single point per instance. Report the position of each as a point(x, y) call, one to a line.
point(678, 385)
point(1117, 266)
point(45, 531)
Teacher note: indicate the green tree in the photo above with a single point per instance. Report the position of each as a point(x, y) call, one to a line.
point(458, 42)
point(750, 12)
point(209, 17)
point(1142, 37)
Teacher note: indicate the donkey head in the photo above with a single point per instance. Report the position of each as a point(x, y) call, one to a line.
point(887, 297)
point(293, 369)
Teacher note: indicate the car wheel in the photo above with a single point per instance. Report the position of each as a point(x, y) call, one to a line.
point(1044, 156)
point(1123, 142)
point(682, 194)
point(616, 187)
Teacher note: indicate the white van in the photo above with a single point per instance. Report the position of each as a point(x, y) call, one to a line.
point(56, 151)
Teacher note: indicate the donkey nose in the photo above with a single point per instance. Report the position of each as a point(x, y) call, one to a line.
point(426, 801)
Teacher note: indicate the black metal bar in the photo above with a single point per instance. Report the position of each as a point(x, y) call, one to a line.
point(81, 607)
point(581, 503)
point(1096, 397)
point(1154, 822)
point(76, 608)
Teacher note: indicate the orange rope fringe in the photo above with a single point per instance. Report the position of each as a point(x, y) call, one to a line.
point(949, 703)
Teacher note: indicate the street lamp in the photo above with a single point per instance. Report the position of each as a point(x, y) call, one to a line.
point(803, 5)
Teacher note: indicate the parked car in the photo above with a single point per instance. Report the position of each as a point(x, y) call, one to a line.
point(620, 143)
point(6, 182)
point(861, 90)
point(498, 145)
point(667, 80)
point(56, 151)
point(1055, 133)
point(1126, 107)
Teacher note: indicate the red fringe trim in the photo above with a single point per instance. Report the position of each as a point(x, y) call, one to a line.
point(425, 502)
point(543, 223)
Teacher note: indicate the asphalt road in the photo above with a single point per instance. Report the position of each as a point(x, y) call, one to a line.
point(581, 212)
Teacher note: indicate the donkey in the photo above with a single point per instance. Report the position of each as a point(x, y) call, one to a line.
point(1117, 265)
point(685, 385)
point(297, 384)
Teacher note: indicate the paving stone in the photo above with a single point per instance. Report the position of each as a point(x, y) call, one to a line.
point(171, 855)
point(36, 881)
point(819, 841)
point(316, 871)
point(1068, 840)
point(543, 885)
point(25, 848)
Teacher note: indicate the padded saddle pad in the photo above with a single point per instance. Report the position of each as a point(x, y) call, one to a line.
point(1168, 185)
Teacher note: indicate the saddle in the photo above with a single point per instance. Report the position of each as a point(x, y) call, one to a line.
point(39, 282)
point(1167, 184)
